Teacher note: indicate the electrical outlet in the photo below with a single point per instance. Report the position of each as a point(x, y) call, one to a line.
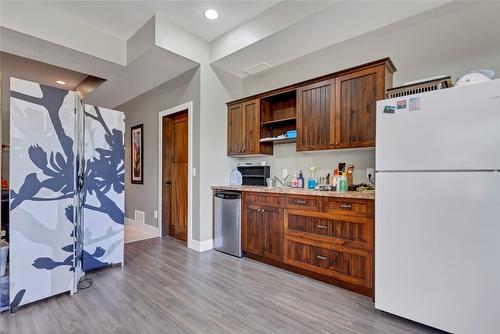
point(370, 173)
point(156, 214)
point(284, 173)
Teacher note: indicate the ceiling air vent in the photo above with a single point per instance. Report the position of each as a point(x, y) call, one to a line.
point(257, 68)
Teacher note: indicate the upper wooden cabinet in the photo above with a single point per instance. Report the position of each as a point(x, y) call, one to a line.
point(316, 116)
point(243, 134)
point(335, 111)
point(235, 127)
point(356, 101)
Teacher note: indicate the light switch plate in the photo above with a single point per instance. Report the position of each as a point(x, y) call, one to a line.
point(284, 173)
point(156, 214)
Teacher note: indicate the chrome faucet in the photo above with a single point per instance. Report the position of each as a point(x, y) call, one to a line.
point(282, 183)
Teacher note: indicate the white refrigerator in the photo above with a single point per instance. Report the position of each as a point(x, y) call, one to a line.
point(437, 227)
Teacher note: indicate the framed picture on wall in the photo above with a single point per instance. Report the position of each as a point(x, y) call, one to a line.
point(137, 154)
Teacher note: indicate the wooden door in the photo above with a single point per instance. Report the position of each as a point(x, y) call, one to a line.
point(252, 228)
point(316, 116)
point(175, 175)
point(251, 132)
point(235, 129)
point(356, 97)
point(272, 226)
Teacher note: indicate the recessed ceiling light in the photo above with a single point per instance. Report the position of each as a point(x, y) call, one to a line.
point(61, 82)
point(211, 14)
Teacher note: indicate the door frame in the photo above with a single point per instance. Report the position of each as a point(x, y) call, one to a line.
point(179, 108)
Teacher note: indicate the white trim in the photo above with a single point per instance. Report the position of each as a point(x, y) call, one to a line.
point(189, 107)
point(201, 246)
point(143, 226)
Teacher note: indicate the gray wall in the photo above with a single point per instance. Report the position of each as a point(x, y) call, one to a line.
point(144, 109)
point(286, 157)
point(449, 40)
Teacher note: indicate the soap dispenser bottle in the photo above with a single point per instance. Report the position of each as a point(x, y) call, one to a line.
point(294, 180)
point(311, 183)
point(300, 180)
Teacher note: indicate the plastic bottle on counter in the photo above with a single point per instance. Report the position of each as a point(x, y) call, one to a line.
point(311, 182)
point(342, 183)
point(300, 180)
point(294, 180)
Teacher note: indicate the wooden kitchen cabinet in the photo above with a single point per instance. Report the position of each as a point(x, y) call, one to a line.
point(349, 265)
point(262, 230)
point(335, 111)
point(355, 104)
point(316, 116)
point(235, 129)
point(243, 129)
point(252, 229)
point(272, 226)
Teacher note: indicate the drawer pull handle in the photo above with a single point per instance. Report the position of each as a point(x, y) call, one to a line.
point(346, 206)
point(322, 227)
point(320, 257)
point(300, 201)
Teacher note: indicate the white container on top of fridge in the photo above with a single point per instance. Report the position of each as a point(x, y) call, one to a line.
point(437, 231)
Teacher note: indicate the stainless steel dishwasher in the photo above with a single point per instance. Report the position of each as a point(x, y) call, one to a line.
point(227, 220)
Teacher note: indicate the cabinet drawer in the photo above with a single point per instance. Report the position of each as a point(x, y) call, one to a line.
point(350, 231)
point(349, 207)
point(312, 203)
point(349, 265)
point(262, 199)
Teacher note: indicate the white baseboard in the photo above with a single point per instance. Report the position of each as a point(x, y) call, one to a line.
point(201, 246)
point(145, 227)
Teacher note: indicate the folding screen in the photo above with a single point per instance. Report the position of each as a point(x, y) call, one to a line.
point(67, 190)
point(103, 215)
point(42, 191)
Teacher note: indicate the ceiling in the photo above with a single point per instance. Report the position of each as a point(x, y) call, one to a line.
point(138, 45)
point(45, 74)
point(123, 20)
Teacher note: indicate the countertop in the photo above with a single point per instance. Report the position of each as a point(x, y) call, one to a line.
point(298, 191)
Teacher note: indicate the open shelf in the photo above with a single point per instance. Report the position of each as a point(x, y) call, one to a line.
point(278, 116)
point(278, 121)
point(278, 107)
point(281, 141)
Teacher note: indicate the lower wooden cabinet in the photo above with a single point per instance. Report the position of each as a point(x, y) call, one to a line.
point(252, 229)
point(355, 232)
point(263, 231)
point(272, 225)
point(326, 236)
point(351, 265)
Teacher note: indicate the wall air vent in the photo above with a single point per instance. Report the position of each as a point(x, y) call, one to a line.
point(139, 216)
point(254, 69)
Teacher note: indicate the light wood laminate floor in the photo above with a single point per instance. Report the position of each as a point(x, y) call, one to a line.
point(165, 287)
